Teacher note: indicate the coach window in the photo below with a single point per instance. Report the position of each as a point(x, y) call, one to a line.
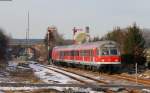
point(84, 52)
point(81, 53)
point(87, 53)
point(72, 53)
point(68, 53)
point(97, 51)
point(91, 53)
point(61, 54)
point(75, 53)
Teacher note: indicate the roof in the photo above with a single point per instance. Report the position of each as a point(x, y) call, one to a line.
point(84, 46)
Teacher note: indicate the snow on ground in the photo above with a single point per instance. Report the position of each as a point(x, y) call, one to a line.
point(52, 77)
point(26, 88)
point(74, 89)
point(49, 76)
point(74, 75)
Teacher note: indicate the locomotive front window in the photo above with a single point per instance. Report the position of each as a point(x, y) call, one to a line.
point(113, 52)
point(105, 52)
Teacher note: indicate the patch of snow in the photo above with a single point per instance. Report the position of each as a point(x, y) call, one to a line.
point(144, 76)
point(146, 90)
point(147, 77)
point(53, 77)
point(22, 88)
point(22, 67)
point(74, 75)
point(65, 89)
point(12, 64)
point(74, 89)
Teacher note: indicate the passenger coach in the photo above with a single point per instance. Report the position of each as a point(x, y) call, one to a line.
point(91, 54)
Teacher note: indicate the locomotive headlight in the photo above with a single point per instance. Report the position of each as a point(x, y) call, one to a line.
point(116, 60)
point(102, 60)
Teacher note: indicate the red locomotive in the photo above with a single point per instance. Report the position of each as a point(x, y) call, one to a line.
point(94, 54)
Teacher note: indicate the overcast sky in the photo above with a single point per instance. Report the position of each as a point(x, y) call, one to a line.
point(100, 15)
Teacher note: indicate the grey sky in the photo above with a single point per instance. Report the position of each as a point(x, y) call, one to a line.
point(100, 15)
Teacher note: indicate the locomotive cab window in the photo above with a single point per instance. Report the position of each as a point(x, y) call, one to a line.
point(105, 52)
point(113, 51)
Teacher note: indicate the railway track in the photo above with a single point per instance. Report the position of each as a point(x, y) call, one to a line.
point(72, 75)
point(124, 77)
point(87, 80)
point(88, 77)
point(92, 82)
point(96, 80)
point(133, 79)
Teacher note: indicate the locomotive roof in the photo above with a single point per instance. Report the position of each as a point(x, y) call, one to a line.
point(85, 46)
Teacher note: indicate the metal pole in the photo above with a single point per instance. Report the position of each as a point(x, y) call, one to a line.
point(28, 27)
point(48, 47)
point(136, 73)
point(27, 35)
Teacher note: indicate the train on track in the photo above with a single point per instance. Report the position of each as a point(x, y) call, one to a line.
point(100, 55)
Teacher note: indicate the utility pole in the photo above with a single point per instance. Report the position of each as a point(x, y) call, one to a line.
point(28, 28)
point(48, 45)
point(27, 35)
point(136, 72)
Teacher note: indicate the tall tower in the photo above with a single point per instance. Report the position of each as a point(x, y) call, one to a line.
point(52, 35)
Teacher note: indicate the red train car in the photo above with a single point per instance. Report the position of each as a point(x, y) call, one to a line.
point(91, 54)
